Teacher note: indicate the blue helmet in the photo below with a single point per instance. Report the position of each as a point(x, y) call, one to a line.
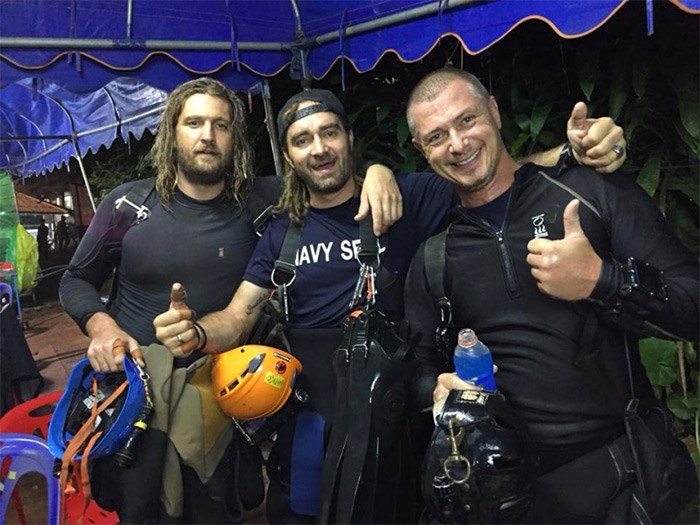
point(115, 422)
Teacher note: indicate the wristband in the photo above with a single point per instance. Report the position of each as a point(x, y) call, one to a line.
point(201, 336)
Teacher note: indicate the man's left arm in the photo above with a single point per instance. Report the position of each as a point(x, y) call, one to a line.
point(657, 295)
point(596, 143)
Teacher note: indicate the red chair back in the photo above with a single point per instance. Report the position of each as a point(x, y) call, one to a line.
point(31, 417)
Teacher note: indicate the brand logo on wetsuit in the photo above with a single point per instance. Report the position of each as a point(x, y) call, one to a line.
point(538, 225)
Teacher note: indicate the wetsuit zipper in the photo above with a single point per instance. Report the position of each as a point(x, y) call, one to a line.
point(506, 259)
point(512, 281)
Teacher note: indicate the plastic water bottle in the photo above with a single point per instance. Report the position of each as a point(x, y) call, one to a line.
point(473, 360)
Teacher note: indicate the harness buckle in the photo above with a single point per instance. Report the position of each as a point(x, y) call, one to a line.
point(445, 311)
point(142, 212)
point(288, 272)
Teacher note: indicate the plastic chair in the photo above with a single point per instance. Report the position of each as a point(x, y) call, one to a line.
point(21, 454)
point(32, 417)
point(5, 294)
point(7, 272)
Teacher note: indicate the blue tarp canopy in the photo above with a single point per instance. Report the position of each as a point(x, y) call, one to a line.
point(121, 53)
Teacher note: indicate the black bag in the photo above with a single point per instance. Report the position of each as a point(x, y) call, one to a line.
point(666, 476)
point(644, 476)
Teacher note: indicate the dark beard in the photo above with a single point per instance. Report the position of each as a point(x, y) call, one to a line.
point(346, 168)
point(200, 175)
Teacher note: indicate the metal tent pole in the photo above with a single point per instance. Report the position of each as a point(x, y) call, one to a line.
point(272, 129)
point(82, 171)
point(82, 44)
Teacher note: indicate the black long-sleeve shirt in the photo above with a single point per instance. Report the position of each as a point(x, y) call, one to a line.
point(205, 245)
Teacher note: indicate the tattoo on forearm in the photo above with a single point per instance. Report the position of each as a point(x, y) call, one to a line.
point(252, 307)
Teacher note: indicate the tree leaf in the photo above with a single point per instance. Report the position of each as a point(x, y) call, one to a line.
point(692, 142)
point(690, 353)
point(648, 177)
point(682, 407)
point(523, 122)
point(382, 112)
point(402, 131)
point(540, 113)
point(659, 359)
point(587, 72)
point(549, 139)
point(686, 184)
point(689, 110)
point(641, 72)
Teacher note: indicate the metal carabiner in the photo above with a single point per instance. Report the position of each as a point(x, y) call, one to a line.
point(359, 287)
point(456, 462)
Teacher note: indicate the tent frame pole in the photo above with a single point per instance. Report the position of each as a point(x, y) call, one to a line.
point(82, 171)
point(270, 123)
point(82, 44)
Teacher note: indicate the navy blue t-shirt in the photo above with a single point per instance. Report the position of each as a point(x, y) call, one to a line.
point(327, 269)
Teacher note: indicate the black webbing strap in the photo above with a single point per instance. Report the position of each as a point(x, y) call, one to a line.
point(129, 210)
point(338, 439)
point(263, 197)
point(284, 270)
point(359, 403)
point(434, 260)
point(369, 244)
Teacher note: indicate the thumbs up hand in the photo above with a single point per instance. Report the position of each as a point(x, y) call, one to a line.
point(568, 268)
point(592, 140)
point(174, 327)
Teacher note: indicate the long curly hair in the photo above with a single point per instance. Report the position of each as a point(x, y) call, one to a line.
point(239, 180)
point(295, 196)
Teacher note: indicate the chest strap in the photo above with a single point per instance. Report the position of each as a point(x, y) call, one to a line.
point(434, 252)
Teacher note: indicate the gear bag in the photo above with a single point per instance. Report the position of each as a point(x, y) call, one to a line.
point(481, 464)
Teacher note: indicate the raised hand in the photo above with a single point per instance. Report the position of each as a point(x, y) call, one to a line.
point(598, 143)
point(568, 268)
point(175, 328)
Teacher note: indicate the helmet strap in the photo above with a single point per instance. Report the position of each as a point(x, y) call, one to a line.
point(84, 439)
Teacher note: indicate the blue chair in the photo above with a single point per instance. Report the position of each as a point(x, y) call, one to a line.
point(19, 455)
point(5, 294)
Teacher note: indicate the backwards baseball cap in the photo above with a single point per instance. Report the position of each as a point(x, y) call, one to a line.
point(325, 101)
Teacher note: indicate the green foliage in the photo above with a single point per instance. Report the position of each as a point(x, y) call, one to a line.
point(122, 163)
point(659, 358)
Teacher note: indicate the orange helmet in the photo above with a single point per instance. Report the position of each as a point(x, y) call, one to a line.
point(253, 381)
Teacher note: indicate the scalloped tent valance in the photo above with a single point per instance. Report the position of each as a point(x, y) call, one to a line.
point(122, 53)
